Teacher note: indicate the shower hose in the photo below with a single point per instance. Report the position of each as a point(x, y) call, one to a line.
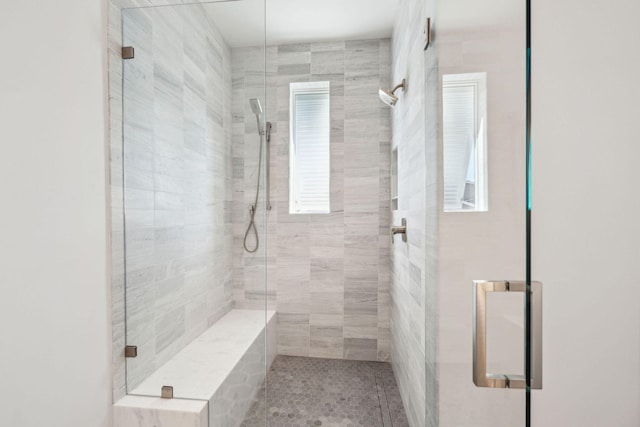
point(252, 208)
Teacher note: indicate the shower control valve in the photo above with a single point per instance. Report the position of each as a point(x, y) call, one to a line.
point(400, 230)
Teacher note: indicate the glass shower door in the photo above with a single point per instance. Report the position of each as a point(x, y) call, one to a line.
point(489, 310)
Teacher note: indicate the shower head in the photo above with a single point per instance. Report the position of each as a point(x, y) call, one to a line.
point(388, 97)
point(255, 106)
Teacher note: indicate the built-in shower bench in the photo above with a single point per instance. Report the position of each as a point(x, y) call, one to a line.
point(214, 379)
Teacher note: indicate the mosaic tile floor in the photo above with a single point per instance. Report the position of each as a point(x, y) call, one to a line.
point(305, 391)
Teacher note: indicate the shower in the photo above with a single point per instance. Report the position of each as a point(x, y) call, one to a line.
point(388, 97)
point(256, 107)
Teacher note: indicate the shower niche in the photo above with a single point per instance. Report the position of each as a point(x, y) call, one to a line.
point(394, 178)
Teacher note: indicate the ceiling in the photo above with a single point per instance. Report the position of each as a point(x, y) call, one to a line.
point(293, 21)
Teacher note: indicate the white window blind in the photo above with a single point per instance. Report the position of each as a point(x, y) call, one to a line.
point(309, 160)
point(464, 111)
point(459, 117)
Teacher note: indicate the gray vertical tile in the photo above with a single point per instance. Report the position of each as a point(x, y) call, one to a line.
point(327, 266)
point(408, 270)
point(360, 349)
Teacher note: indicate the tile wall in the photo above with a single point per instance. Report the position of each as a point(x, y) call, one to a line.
point(414, 264)
point(328, 274)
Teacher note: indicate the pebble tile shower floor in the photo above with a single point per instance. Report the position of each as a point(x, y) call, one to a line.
point(304, 391)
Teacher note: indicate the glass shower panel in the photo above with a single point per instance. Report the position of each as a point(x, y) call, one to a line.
point(477, 71)
point(195, 299)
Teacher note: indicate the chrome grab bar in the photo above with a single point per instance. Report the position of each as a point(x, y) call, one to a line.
point(480, 376)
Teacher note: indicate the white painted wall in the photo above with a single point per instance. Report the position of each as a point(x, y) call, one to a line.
point(54, 322)
point(586, 210)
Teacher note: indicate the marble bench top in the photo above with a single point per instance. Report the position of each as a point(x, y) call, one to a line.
point(201, 367)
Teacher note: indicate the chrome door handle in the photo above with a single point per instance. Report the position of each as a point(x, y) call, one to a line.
point(480, 376)
point(400, 230)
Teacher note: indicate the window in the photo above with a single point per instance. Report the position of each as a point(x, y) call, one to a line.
point(464, 106)
point(310, 129)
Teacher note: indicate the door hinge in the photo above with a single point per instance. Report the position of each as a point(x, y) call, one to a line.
point(427, 33)
point(131, 351)
point(128, 52)
point(167, 392)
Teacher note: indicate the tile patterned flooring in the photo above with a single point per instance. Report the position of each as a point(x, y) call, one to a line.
point(304, 391)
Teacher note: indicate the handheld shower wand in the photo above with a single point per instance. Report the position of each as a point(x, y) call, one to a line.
point(257, 110)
